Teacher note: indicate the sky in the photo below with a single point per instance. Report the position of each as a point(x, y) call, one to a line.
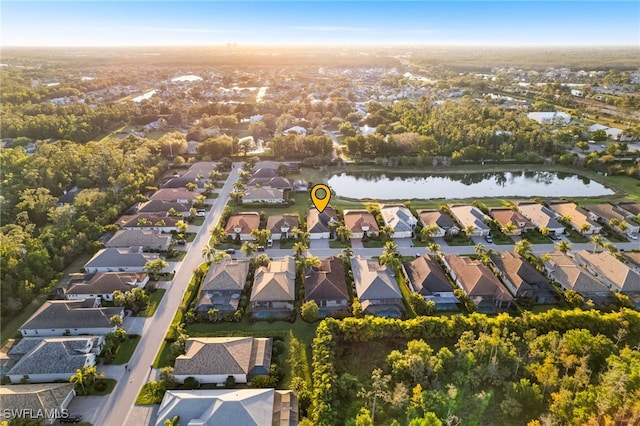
point(171, 23)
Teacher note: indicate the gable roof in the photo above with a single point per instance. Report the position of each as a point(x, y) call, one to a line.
point(35, 397)
point(173, 194)
point(506, 215)
point(540, 215)
point(223, 355)
point(229, 274)
point(373, 281)
point(326, 281)
point(138, 237)
point(181, 182)
point(253, 193)
point(120, 258)
point(620, 274)
point(631, 207)
point(469, 216)
point(202, 168)
point(275, 282)
point(246, 221)
point(477, 279)
point(319, 222)
point(436, 217)
point(426, 275)
point(161, 206)
point(50, 355)
point(272, 182)
point(606, 211)
point(355, 220)
point(578, 216)
point(520, 273)
point(264, 173)
point(131, 221)
point(238, 407)
point(399, 218)
point(105, 282)
point(571, 275)
point(70, 314)
point(276, 222)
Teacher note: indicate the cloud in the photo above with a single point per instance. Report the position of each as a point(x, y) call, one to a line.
point(328, 28)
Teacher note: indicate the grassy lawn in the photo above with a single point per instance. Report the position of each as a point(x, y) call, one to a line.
point(374, 242)
point(339, 244)
point(501, 239)
point(535, 237)
point(197, 221)
point(301, 201)
point(179, 256)
point(228, 244)
point(154, 301)
point(150, 394)
point(287, 244)
point(162, 358)
point(110, 384)
point(458, 240)
point(574, 236)
point(190, 236)
point(126, 349)
point(166, 276)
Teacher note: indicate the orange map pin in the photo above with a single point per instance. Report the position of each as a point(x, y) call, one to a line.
point(320, 200)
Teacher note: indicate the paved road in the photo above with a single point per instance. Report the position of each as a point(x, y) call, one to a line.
point(116, 411)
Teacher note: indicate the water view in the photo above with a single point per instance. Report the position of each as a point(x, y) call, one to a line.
point(393, 186)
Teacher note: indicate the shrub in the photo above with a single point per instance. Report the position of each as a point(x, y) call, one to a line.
point(310, 311)
point(191, 383)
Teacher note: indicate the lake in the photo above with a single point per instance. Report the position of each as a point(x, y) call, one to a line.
point(395, 186)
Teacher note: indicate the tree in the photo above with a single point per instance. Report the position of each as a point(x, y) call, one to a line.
point(563, 246)
point(208, 252)
point(155, 267)
point(356, 308)
point(167, 378)
point(429, 231)
point(544, 231)
point(509, 228)
point(469, 230)
point(310, 311)
point(299, 249)
point(85, 376)
point(79, 379)
point(261, 236)
point(182, 226)
point(217, 235)
point(575, 300)
point(523, 247)
point(343, 232)
point(597, 241)
point(434, 248)
point(175, 421)
point(387, 231)
point(115, 321)
point(248, 248)
point(584, 228)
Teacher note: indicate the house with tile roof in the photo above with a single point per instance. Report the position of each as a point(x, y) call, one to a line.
point(473, 217)
point(223, 285)
point(361, 223)
point(263, 196)
point(631, 208)
point(275, 182)
point(563, 269)
point(326, 285)
point(607, 213)
point(478, 283)
point(541, 216)
point(131, 259)
point(35, 355)
point(71, 318)
point(147, 239)
point(273, 291)
point(48, 398)
point(240, 225)
point(149, 222)
point(318, 224)
point(238, 407)
point(580, 220)
point(426, 277)
point(376, 288)
point(178, 195)
point(162, 207)
point(400, 219)
point(613, 273)
point(281, 225)
point(439, 218)
point(506, 216)
point(214, 359)
point(103, 284)
point(522, 280)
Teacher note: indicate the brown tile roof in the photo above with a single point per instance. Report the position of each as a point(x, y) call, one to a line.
point(326, 281)
point(505, 216)
point(319, 222)
point(427, 276)
point(129, 221)
point(275, 282)
point(246, 221)
point(476, 278)
point(355, 220)
point(173, 194)
point(523, 276)
point(275, 223)
point(436, 217)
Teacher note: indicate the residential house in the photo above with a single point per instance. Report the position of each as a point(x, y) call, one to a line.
point(613, 273)
point(580, 220)
point(240, 225)
point(608, 212)
point(71, 318)
point(571, 276)
point(400, 219)
point(148, 222)
point(377, 288)
point(478, 283)
point(223, 285)
point(161, 207)
point(630, 208)
point(263, 196)
point(238, 407)
point(130, 259)
point(265, 172)
point(273, 289)
point(506, 216)
point(523, 280)
point(281, 225)
point(426, 277)
point(51, 399)
point(34, 356)
point(541, 216)
point(182, 182)
point(471, 216)
point(361, 223)
point(276, 182)
point(318, 224)
point(147, 239)
point(200, 170)
point(439, 218)
point(178, 195)
point(553, 117)
point(103, 284)
point(214, 359)
point(326, 285)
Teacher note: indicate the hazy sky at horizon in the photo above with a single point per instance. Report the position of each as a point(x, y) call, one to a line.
point(158, 23)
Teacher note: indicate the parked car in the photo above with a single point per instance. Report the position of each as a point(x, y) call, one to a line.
point(230, 251)
point(260, 248)
point(201, 213)
point(554, 236)
point(181, 242)
point(71, 418)
point(633, 237)
point(488, 238)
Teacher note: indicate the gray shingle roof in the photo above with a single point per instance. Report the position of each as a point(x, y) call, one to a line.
point(70, 314)
point(51, 355)
point(319, 222)
point(35, 396)
point(571, 275)
point(223, 285)
point(120, 258)
point(326, 282)
point(373, 281)
point(275, 282)
point(427, 276)
point(275, 223)
point(138, 237)
point(105, 282)
point(519, 272)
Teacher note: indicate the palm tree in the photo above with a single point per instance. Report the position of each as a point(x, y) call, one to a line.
point(343, 233)
point(347, 253)
point(584, 228)
point(299, 249)
point(391, 260)
point(208, 252)
point(523, 247)
point(391, 247)
point(469, 230)
point(597, 241)
point(387, 231)
point(79, 379)
point(610, 248)
point(248, 248)
point(509, 228)
point(217, 235)
point(429, 231)
point(623, 226)
point(219, 256)
point(434, 248)
point(479, 248)
point(545, 231)
point(563, 246)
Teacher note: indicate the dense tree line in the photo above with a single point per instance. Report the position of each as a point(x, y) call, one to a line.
point(41, 237)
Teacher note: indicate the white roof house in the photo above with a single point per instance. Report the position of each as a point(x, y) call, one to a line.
point(400, 219)
point(554, 117)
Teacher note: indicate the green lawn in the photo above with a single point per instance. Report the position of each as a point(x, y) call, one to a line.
point(374, 242)
point(126, 349)
point(154, 301)
point(150, 394)
point(190, 236)
point(179, 256)
point(301, 202)
point(458, 240)
point(535, 237)
point(574, 236)
point(339, 244)
point(197, 221)
point(501, 239)
point(110, 384)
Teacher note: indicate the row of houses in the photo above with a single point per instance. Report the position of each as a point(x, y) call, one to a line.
point(267, 186)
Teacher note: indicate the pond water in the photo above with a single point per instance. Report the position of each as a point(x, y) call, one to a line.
point(394, 186)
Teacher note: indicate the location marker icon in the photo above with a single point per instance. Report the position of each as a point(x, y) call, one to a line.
point(320, 195)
